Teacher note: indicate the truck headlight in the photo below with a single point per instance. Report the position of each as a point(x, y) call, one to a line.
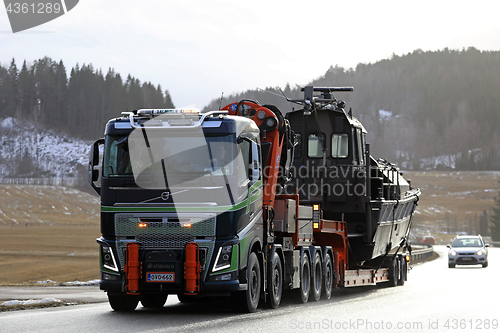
point(223, 259)
point(108, 259)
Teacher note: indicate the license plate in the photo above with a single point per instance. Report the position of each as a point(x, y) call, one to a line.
point(466, 258)
point(160, 277)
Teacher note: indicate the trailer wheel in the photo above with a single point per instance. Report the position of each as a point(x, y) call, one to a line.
point(328, 277)
point(317, 277)
point(402, 271)
point(153, 301)
point(275, 282)
point(394, 273)
point(305, 278)
point(123, 303)
point(248, 300)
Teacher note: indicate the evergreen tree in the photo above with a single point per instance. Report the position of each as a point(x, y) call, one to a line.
point(61, 85)
point(12, 98)
point(168, 101)
point(27, 92)
point(483, 224)
point(4, 84)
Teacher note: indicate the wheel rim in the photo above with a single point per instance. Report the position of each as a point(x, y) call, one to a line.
point(254, 286)
point(305, 277)
point(328, 276)
point(276, 282)
point(317, 277)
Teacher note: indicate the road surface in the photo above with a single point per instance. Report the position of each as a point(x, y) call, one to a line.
point(434, 299)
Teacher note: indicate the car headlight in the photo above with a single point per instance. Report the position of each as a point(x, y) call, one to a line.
point(481, 252)
point(453, 253)
point(223, 259)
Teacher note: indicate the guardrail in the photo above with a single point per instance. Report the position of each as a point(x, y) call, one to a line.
point(421, 252)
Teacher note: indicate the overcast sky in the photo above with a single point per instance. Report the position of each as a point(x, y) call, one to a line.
point(197, 49)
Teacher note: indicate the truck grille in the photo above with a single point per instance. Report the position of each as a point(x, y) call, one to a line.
point(165, 231)
point(162, 243)
point(168, 225)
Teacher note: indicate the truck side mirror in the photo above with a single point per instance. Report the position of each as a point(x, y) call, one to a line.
point(93, 173)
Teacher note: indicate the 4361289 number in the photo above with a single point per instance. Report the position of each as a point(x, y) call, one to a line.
point(39, 8)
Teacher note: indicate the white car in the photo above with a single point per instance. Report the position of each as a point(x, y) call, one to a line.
point(468, 250)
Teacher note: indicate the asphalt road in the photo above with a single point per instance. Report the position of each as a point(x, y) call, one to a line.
point(434, 299)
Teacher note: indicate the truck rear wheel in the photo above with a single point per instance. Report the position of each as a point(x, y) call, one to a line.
point(275, 282)
point(123, 303)
point(248, 300)
point(328, 277)
point(305, 278)
point(394, 273)
point(317, 277)
point(153, 301)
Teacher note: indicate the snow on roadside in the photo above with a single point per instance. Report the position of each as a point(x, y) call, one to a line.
point(32, 301)
point(71, 283)
point(82, 283)
point(46, 281)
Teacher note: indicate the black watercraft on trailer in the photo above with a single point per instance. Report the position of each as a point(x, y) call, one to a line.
point(332, 167)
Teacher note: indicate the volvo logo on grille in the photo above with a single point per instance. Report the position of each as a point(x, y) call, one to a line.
point(165, 195)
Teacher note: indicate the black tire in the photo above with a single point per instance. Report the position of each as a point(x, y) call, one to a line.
point(275, 282)
point(485, 265)
point(402, 271)
point(317, 277)
point(394, 273)
point(186, 299)
point(328, 274)
point(451, 265)
point(248, 300)
point(123, 303)
point(305, 279)
point(153, 301)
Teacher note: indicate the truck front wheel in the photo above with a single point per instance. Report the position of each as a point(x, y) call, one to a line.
point(153, 301)
point(123, 303)
point(248, 300)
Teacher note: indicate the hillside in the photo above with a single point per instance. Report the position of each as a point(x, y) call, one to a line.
point(453, 203)
point(418, 107)
point(29, 152)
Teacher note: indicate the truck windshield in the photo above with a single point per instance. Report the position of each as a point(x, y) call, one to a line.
point(169, 155)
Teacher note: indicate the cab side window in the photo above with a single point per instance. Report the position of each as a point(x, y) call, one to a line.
point(315, 144)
